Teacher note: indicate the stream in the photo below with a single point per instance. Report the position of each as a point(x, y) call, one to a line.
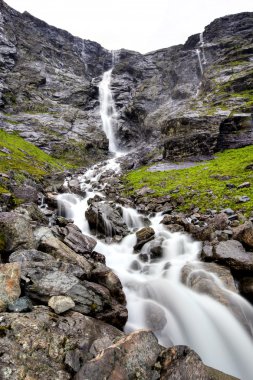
point(157, 297)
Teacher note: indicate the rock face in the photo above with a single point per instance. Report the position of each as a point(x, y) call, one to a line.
point(49, 89)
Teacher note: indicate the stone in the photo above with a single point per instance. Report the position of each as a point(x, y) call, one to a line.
point(143, 236)
point(47, 242)
point(180, 362)
point(232, 254)
point(244, 233)
point(21, 305)
point(131, 357)
point(228, 211)
point(9, 284)
point(242, 199)
point(16, 232)
point(61, 303)
point(243, 185)
point(28, 255)
point(72, 236)
point(106, 219)
point(53, 346)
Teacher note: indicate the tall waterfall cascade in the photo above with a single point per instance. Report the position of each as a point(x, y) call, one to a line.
point(157, 297)
point(201, 53)
point(108, 110)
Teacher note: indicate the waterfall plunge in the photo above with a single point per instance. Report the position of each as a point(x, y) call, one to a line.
point(107, 110)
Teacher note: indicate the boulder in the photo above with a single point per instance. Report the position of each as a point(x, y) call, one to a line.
point(72, 236)
point(45, 346)
point(132, 357)
point(143, 236)
point(232, 254)
point(181, 363)
point(9, 284)
point(16, 233)
point(60, 251)
point(244, 233)
point(104, 218)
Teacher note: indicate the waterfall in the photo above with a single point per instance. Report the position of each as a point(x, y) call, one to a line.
point(157, 298)
point(201, 53)
point(108, 110)
point(199, 59)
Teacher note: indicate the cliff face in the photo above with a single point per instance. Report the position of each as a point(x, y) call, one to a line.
point(46, 90)
point(188, 99)
point(197, 97)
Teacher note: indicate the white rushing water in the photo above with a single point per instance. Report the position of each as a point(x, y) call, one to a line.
point(152, 278)
point(107, 110)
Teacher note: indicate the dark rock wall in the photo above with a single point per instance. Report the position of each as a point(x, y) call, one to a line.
point(49, 88)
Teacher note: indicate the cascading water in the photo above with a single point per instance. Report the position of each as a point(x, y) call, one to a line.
point(201, 53)
point(152, 279)
point(200, 62)
point(107, 110)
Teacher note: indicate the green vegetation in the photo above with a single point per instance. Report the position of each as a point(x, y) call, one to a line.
point(203, 185)
point(22, 159)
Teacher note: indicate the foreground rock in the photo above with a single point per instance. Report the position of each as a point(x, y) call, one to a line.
point(44, 346)
point(16, 233)
point(131, 357)
point(230, 253)
point(181, 363)
point(9, 284)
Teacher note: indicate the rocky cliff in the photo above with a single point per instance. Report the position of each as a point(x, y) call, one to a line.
point(189, 99)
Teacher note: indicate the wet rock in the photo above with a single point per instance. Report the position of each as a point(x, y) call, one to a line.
point(175, 228)
point(106, 219)
point(232, 254)
point(53, 346)
point(9, 284)
point(61, 303)
point(16, 233)
point(131, 357)
point(155, 317)
point(21, 305)
point(143, 236)
point(180, 362)
point(106, 277)
point(244, 233)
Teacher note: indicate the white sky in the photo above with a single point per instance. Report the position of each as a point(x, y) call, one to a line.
point(141, 25)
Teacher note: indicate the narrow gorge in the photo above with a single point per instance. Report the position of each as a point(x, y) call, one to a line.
point(105, 274)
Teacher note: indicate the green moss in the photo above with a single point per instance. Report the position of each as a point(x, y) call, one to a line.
point(203, 185)
point(24, 157)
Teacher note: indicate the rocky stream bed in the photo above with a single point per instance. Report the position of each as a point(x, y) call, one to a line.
point(63, 310)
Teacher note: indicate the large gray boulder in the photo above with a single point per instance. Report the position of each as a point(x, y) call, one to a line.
point(42, 345)
point(16, 233)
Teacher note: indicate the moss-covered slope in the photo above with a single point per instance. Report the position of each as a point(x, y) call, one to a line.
point(208, 185)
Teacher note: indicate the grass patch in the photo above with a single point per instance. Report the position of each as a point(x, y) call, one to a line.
point(203, 185)
point(20, 156)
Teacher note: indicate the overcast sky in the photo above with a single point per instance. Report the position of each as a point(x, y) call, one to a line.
point(141, 25)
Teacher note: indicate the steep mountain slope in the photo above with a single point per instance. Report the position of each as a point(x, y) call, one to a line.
point(189, 99)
